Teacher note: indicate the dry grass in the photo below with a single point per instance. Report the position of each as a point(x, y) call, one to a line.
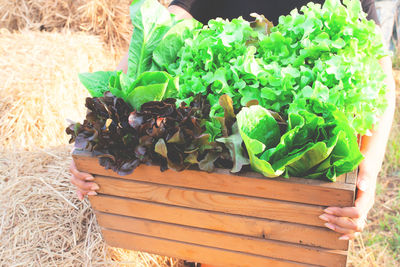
point(107, 18)
point(40, 87)
point(42, 223)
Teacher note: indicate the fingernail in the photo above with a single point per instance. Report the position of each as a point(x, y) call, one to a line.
point(324, 217)
point(328, 210)
point(330, 226)
point(92, 193)
point(363, 185)
point(95, 187)
point(89, 178)
point(344, 237)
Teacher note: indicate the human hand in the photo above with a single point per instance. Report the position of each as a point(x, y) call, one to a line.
point(83, 182)
point(350, 221)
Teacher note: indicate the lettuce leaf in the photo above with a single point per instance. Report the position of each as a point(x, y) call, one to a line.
point(329, 52)
point(319, 143)
point(167, 50)
point(151, 21)
point(97, 83)
point(151, 86)
point(259, 131)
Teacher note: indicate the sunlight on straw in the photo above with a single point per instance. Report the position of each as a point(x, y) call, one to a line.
point(58, 193)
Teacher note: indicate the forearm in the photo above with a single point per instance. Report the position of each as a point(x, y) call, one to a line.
point(373, 147)
point(179, 12)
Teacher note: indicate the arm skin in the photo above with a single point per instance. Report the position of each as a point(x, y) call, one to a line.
point(351, 220)
point(84, 181)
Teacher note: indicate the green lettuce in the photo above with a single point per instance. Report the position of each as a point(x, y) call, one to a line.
point(144, 82)
point(167, 50)
point(260, 132)
point(319, 143)
point(151, 21)
point(330, 52)
point(151, 86)
point(97, 83)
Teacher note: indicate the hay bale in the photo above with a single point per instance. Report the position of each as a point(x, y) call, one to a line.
point(40, 87)
point(109, 19)
point(42, 223)
point(106, 18)
point(39, 14)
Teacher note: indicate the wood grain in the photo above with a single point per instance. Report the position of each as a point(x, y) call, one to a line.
point(351, 178)
point(214, 201)
point(261, 228)
point(251, 245)
point(215, 256)
point(253, 184)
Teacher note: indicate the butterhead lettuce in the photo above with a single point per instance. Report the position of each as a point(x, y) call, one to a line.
point(318, 143)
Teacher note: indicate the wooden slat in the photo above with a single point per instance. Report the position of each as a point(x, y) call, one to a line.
point(257, 246)
point(261, 228)
point(294, 189)
point(341, 179)
point(208, 200)
point(215, 256)
point(351, 177)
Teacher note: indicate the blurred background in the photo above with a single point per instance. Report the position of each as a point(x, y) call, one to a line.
point(43, 47)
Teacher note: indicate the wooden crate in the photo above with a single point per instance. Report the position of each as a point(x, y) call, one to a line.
point(220, 218)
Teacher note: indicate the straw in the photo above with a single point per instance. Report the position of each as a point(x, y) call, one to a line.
point(107, 18)
point(40, 88)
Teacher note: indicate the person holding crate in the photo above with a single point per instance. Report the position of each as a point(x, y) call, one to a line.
point(348, 221)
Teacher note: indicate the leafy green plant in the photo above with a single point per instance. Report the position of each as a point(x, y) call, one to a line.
point(318, 142)
point(328, 52)
point(296, 94)
point(155, 30)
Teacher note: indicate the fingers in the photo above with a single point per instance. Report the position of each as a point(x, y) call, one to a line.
point(80, 195)
point(351, 212)
point(349, 236)
point(344, 222)
point(80, 180)
point(82, 185)
point(348, 221)
point(80, 175)
point(338, 228)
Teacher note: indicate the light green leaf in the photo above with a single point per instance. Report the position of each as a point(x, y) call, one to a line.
point(151, 21)
point(97, 83)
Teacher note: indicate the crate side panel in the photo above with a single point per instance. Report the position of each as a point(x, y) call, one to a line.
point(351, 177)
point(215, 201)
point(176, 249)
point(257, 246)
point(294, 189)
point(254, 227)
